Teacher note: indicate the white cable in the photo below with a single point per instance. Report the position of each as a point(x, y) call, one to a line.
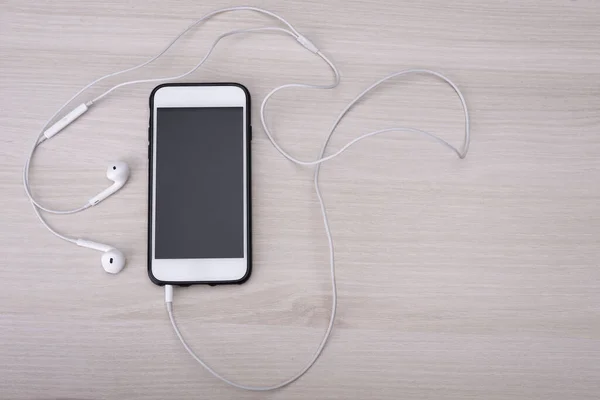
point(89, 104)
point(54, 232)
point(208, 53)
point(460, 153)
point(317, 162)
point(147, 62)
point(36, 205)
point(40, 138)
point(37, 210)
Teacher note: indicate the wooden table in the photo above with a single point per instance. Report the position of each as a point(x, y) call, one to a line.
point(457, 279)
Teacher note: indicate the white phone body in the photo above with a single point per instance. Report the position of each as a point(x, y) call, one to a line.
point(180, 231)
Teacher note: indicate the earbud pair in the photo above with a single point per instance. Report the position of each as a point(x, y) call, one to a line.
point(113, 261)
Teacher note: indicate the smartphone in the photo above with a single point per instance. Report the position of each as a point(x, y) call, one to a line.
point(199, 214)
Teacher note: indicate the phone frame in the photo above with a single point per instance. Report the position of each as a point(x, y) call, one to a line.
point(185, 272)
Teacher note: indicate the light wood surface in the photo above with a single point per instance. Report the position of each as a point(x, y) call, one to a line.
point(473, 279)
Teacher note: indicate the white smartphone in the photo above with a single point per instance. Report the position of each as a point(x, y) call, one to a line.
point(199, 222)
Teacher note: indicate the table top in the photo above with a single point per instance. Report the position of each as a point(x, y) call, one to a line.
point(474, 278)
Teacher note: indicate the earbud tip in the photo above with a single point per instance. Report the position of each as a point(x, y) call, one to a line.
point(113, 261)
point(118, 171)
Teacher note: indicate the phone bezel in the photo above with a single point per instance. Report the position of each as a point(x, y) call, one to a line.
point(199, 271)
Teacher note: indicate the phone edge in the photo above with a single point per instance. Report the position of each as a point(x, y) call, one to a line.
point(155, 280)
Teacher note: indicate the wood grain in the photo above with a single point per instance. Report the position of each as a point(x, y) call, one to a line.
point(457, 279)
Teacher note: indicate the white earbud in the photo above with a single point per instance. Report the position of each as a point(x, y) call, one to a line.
point(118, 172)
point(113, 261)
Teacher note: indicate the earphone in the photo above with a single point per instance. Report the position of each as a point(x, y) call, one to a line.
point(118, 173)
point(113, 260)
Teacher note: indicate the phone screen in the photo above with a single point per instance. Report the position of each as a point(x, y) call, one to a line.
point(199, 183)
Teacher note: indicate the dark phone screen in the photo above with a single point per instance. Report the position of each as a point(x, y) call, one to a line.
point(199, 183)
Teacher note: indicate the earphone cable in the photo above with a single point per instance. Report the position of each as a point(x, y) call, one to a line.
point(292, 31)
point(317, 162)
point(460, 153)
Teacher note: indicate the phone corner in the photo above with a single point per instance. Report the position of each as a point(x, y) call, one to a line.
point(154, 279)
point(156, 89)
point(241, 86)
point(246, 276)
